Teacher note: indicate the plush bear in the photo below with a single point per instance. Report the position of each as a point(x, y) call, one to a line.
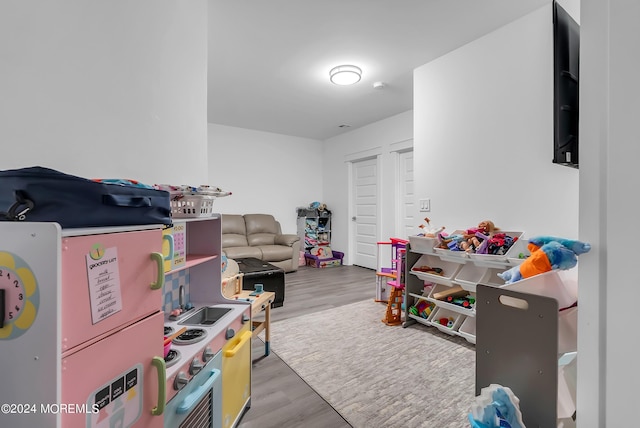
point(547, 253)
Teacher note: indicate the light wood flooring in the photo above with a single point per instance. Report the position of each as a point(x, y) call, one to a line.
point(279, 397)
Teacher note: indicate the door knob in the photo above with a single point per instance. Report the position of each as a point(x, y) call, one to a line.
point(353, 218)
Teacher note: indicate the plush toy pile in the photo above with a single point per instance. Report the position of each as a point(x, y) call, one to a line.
point(547, 253)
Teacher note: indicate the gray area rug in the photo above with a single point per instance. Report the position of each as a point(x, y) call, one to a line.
point(377, 376)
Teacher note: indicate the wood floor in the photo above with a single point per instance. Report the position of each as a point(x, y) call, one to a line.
point(279, 397)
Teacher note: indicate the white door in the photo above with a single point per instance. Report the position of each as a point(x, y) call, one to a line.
point(405, 226)
point(364, 209)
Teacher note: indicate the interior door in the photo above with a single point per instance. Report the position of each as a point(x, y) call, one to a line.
point(365, 212)
point(405, 226)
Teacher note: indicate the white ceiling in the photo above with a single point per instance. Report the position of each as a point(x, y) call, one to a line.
point(269, 60)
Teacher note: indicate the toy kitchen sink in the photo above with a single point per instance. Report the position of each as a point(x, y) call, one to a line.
point(207, 315)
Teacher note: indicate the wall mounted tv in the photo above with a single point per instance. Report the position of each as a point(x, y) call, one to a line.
point(566, 68)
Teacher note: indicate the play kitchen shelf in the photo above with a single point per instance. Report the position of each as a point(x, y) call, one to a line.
point(84, 324)
point(216, 349)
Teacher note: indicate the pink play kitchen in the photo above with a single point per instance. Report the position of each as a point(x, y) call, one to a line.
point(84, 314)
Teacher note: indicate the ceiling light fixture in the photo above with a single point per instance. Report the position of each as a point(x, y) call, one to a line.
point(345, 74)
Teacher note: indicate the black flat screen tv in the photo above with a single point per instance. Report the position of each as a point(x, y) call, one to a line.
point(566, 69)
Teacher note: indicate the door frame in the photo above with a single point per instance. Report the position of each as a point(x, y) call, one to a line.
point(396, 150)
point(350, 159)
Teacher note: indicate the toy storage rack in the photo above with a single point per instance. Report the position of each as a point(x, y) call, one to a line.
point(471, 274)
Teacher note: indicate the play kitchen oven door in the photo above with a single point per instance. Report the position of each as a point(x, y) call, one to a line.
point(198, 404)
point(236, 373)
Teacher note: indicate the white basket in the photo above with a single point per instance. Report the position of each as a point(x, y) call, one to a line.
point(493, 260)
point(449, 269)
point(192, 206)
point(421, 244)
point(457, 319)
point(470, 275)
point(468, 329)
point(555, 283)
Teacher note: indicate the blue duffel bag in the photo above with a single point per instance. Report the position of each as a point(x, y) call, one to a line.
point(43, 194)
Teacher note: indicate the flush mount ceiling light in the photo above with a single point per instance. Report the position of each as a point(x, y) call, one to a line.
point(345, 74)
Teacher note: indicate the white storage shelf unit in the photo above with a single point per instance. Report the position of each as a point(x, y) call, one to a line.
point(459, 270)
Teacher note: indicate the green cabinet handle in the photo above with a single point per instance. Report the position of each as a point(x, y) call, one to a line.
point(161, 367)
point(159, 259)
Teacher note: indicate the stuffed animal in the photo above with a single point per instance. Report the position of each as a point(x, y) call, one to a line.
point(547, 253)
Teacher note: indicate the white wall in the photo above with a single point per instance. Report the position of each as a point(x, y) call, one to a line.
point(381, 137)
point(484, 134)
point(111, 89)
point(609, 111)
point(266, 172)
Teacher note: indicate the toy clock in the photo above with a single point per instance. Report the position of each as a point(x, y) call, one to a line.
point(19, 296)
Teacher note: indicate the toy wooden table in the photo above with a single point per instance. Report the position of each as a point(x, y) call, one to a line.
point(259, 303)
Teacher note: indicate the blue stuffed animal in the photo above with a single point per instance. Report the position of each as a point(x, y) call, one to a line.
point(547, 253)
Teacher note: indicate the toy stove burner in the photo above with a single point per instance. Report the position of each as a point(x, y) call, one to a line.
point(172, 357)
point(168, 330)
point(192, 335)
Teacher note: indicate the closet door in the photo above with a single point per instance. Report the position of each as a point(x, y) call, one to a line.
point(364, 208)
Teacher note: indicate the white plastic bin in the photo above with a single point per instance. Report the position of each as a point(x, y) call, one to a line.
point(446, 254)
point(491, 277)
point(567, 382)
point(421, 244)
point(469, 276)
point(468, 329)
point(519, 252)
point(494, 260)
point(440, 313)
point(470, 311)
point(550, 284)
point(568, 330)
point(449, 269)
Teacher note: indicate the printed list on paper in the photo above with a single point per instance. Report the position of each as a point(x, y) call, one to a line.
point(104, 285)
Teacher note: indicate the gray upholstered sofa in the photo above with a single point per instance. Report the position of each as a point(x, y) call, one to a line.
point(259, 236)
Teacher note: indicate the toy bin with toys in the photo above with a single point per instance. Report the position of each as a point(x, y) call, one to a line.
point(323, 257)
point(422, 244)
point(505, 245)
point(427, 239)
point(432, 268)
point(446, 246)
point(454, 298)
point(445, 320)
point(519, 252)
point(485, 244)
